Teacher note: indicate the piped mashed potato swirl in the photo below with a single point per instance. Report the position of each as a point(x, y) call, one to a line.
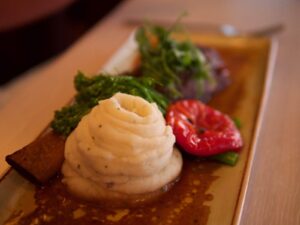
point(121, 148)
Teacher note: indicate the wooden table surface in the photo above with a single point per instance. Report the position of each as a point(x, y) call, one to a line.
point(273, 197)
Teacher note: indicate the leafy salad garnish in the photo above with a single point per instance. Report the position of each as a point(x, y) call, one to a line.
point(167, 61)
point(160, 79)
point(91, 90)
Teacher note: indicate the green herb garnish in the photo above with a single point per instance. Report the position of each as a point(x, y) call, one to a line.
point(237, 122)
point(91, 90)
point(229, 158)
point(162, 65)
point(165, 60)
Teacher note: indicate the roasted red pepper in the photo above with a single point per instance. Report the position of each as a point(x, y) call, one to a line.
point(202, 130)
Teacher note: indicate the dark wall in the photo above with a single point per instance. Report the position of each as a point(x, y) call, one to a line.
point(24, 47)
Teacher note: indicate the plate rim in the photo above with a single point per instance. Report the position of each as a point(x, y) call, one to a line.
point(269, 73)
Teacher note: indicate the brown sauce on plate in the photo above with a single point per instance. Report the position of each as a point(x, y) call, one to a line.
point(186, 203)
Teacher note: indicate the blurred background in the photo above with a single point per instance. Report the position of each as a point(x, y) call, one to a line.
point(32, 31)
